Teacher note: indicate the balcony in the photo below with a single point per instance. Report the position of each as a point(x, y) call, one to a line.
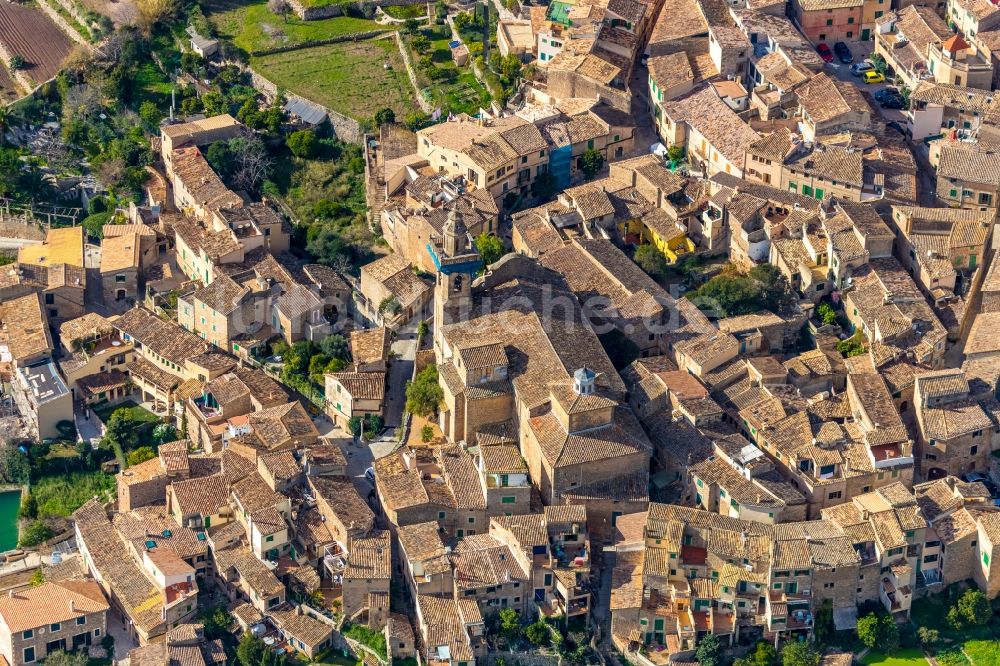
point(578, 606)
point(208, 406)
point(335, 562)
point(799, 619)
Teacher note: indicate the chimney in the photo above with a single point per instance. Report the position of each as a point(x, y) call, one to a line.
point(72, 606)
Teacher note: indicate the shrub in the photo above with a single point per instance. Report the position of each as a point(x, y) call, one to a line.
point(369, 637)
point(426, 434)
point(538, 633)
point(16, 62)
point(35, 533)
point(303, 143)
point(852, 346)
point(650, 259)
point(826, 313)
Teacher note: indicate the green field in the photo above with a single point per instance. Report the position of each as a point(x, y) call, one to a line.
point(406, 11)
point(349, 77)
point(253, 27)
point(140, 414)
point(983, 653)
point(905, 657)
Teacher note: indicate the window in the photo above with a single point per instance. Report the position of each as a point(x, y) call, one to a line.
point(807, 190)
point(269, 539)
point(850, 19)
point(829, 21)
point(440, 515)
point(986, 558)
point(29, 655)
point(82, 619)
point(55, 626)
point(504, 500)
point(28, 634)
point(834, 495)
point(472, 519)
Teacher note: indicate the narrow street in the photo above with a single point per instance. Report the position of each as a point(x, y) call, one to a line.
point(404, 350)
point(645, 131)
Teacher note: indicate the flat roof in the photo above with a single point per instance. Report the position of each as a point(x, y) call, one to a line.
point(559, 12)
point(45, 382)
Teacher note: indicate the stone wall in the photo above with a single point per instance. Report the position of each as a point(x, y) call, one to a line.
point(411, 72)
point(519, 659)
point(353, 37)
point(74, 11)
point(63, 25)
point(346, 129)
point(328, 11)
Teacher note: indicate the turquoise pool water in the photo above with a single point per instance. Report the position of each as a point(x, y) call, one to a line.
point(10, 504)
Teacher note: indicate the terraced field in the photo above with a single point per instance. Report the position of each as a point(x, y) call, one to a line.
point(27, 32)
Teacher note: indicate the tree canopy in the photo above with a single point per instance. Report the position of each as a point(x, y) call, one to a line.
point(733, 293)
point(591, 162)
point(490, 248)
point(424, 394)
point(799, 653)
point(879, 632)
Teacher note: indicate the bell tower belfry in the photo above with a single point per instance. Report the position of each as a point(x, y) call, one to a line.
point(457, 263)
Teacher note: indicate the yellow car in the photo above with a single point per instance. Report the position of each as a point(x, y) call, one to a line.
point(873, 77)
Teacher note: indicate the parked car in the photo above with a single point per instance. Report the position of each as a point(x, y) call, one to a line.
point(824, 52)
point(859, 68)
point(843, 53)
point(892, 100)
point(370, 475)
point(873, 77)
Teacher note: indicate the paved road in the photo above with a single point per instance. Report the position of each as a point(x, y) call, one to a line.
point(645, 130)
point(404, 350)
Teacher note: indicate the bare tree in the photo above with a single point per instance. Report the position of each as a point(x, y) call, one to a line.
point(251, 160)
point(82, 101)
point(280, 7)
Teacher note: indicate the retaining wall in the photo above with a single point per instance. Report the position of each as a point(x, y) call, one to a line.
point(329, 11)
point(353, 37)
point(346, 129)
